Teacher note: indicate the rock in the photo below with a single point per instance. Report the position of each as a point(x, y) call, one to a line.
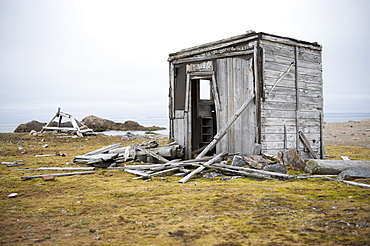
point(293, 159)
point(238, 161)
point(99, 124)
point(32, 125)
point(256, 161)
point(278, 168)
point(354, 173)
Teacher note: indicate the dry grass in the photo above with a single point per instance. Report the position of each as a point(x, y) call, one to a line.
point(109, 208)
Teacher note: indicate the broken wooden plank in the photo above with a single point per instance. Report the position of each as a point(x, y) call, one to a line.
point(16, 165)
point(65, 168)
point(333, 166)
point(104, 149)
point(159, 173)
point(202, 167)
point(57, 175)
point(307, 144)
point(272, 174)
point(362, 185)
point(143, 174)
point(243, 173)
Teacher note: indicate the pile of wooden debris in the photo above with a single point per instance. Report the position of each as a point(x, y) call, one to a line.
point(147, 152)
point(149, 159)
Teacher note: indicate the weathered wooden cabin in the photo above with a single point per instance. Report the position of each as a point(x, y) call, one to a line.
point(271, 85)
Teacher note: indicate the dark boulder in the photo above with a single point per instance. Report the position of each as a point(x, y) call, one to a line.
point(99, 124)
point(32, 125)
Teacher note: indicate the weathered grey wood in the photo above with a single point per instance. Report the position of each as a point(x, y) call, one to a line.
point(8, 162)
point(202, 167)
point(267, 173)
point(57, 175)
point(366, 186)
point(322, 148)
point(290, 42)
point(223, 130)
point(103, 149)
point(243, 173)
point(333, 166)
point(307, 144)
point(212, 57)
point(65, 168)
point(94, 158)
point(15, 165)
point(206, 48)
point(151, 153)
point(161, 172)
point(136, 172)
point(281, 77)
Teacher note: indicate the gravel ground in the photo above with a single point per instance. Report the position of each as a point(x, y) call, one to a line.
point(352, 133)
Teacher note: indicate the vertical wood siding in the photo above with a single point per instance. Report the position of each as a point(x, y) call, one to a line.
point(279, 108)
point(235, 84)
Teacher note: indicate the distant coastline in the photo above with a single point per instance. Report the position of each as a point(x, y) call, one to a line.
point(9, 125)
point(344, 117)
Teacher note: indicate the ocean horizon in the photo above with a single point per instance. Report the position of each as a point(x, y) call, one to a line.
point(9, 124)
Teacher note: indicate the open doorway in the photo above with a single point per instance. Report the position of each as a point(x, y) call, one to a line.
point(204, 125)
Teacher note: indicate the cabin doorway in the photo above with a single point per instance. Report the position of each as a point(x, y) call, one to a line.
point(203, 115)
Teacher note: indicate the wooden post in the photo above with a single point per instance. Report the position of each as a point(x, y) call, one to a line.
point(297, 97)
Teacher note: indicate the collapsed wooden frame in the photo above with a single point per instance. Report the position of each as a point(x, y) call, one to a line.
point(77, 126)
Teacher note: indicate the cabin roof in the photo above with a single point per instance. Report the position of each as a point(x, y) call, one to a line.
point(247, 37)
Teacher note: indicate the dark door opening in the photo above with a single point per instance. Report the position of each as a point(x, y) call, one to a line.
point(203, 115)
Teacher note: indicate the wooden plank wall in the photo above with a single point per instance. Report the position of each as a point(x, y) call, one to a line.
point(278, 111)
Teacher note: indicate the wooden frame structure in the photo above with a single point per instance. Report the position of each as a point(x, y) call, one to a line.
point(282, 76)
point(77, 126)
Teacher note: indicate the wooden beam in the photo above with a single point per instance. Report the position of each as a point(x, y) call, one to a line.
point(57, 175)
point(212, 57)
point(297, 97)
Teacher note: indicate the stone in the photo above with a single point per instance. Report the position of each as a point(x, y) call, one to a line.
point(278, 168)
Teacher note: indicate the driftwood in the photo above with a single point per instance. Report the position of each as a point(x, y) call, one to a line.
point(57, 175)
point(333, 166)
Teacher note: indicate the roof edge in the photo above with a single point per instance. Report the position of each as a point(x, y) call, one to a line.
point(249, 35)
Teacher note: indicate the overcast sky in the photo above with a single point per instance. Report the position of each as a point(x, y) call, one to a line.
point(109, 58)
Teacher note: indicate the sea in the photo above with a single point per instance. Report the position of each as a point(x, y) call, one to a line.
point(9, 124)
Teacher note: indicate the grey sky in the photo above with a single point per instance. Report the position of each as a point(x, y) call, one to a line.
point(108, 58)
